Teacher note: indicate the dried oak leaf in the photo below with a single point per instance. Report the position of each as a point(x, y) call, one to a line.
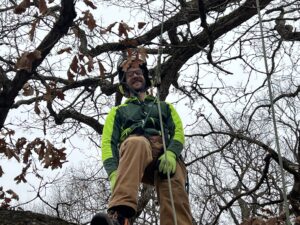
point(102, 70)
point(33, 28)
point(142, 54)
point(60, 95)
point(73, 69)
point(7, 200)
point(123, 28)
point(10, 153)
point(21, 178)
point(2, 145)
point(74, 64)
point(43, 7)
point(108, 29)
point(28, 90)
point(90, 64)
point(89, 20)
point(27, 154)
point(2, 194)
point(68, 50)
point(19, 9)
point(48, 96)
point(20, 143)
point(141, 25)
point(26, 60)
point(90, 4)
point(36, 108)
point(70, 76)
point(1, 171)
point(82, 70)
point(13, 194)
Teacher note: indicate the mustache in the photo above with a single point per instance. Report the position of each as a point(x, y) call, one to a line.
point(137, 79)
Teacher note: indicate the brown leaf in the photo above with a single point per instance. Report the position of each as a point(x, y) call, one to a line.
point(2, 194)
point(74, 64)
point(60, 95)
point(13, 194)
point(28, 90)
point(7, 200)
point(68, 50)
point(36, 108)
point(143, 54)
point(89, 20)
point(41, 149)
point(90, 64)
point(27, 154)
point(102, 31)
point(50, 1)
point(20, 178)
point(10, 153)
point(108, 29)
point(19, 9)
point(1, 171)
point(126, 64)
point(26, 60)
point(129, 53)
point(70, 76)
point(82, 70)
point(43, 7)
point(48, 96)
point(33, 28)
point(102, 70)
point(80, 57)
point(90, 4)
point(141, 25)
point(122, 30)
point(20, 143)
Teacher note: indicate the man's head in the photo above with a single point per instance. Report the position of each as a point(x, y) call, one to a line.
point(134, 76)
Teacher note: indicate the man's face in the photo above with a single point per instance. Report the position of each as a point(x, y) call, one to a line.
point(135, 79)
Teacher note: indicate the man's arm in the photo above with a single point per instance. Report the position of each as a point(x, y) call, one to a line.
point(176, 132)
point(110, 139)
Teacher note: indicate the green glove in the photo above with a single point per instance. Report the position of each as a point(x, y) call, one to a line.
point(112, 180)
point(167, 163)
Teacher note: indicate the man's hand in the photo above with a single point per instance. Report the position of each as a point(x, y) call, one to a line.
point(112, 180)
point(167, 163)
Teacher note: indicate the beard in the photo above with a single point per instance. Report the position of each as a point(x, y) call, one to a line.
point(140, 88)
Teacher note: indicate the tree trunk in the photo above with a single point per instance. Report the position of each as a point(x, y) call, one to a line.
point(11, 217)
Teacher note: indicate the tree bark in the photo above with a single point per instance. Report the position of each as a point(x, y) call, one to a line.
point(11, 217)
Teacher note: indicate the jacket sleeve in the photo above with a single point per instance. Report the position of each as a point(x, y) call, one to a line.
point(174, 124)
point(110, 140)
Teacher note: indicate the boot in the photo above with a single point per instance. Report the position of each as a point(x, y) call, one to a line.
point(111, 218)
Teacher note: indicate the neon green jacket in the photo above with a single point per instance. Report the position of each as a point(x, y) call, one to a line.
point(136, 117)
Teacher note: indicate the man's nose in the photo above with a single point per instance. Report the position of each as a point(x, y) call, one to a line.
point(135, 74)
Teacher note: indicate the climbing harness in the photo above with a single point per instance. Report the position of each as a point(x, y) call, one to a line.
point(286, 207)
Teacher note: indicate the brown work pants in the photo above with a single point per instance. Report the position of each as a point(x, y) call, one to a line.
point(138, 159)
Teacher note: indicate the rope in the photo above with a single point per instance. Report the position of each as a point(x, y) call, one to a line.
point(158, 81)
point(286, 207)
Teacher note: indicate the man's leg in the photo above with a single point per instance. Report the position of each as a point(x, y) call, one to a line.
point(180, 197)
point(135, 155)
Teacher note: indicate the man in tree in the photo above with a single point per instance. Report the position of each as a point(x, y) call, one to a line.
point(132, 150)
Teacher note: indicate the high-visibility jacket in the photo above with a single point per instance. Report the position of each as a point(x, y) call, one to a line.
point(142, 118)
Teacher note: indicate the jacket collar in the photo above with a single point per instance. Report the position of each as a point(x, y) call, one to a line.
point(135, 100)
